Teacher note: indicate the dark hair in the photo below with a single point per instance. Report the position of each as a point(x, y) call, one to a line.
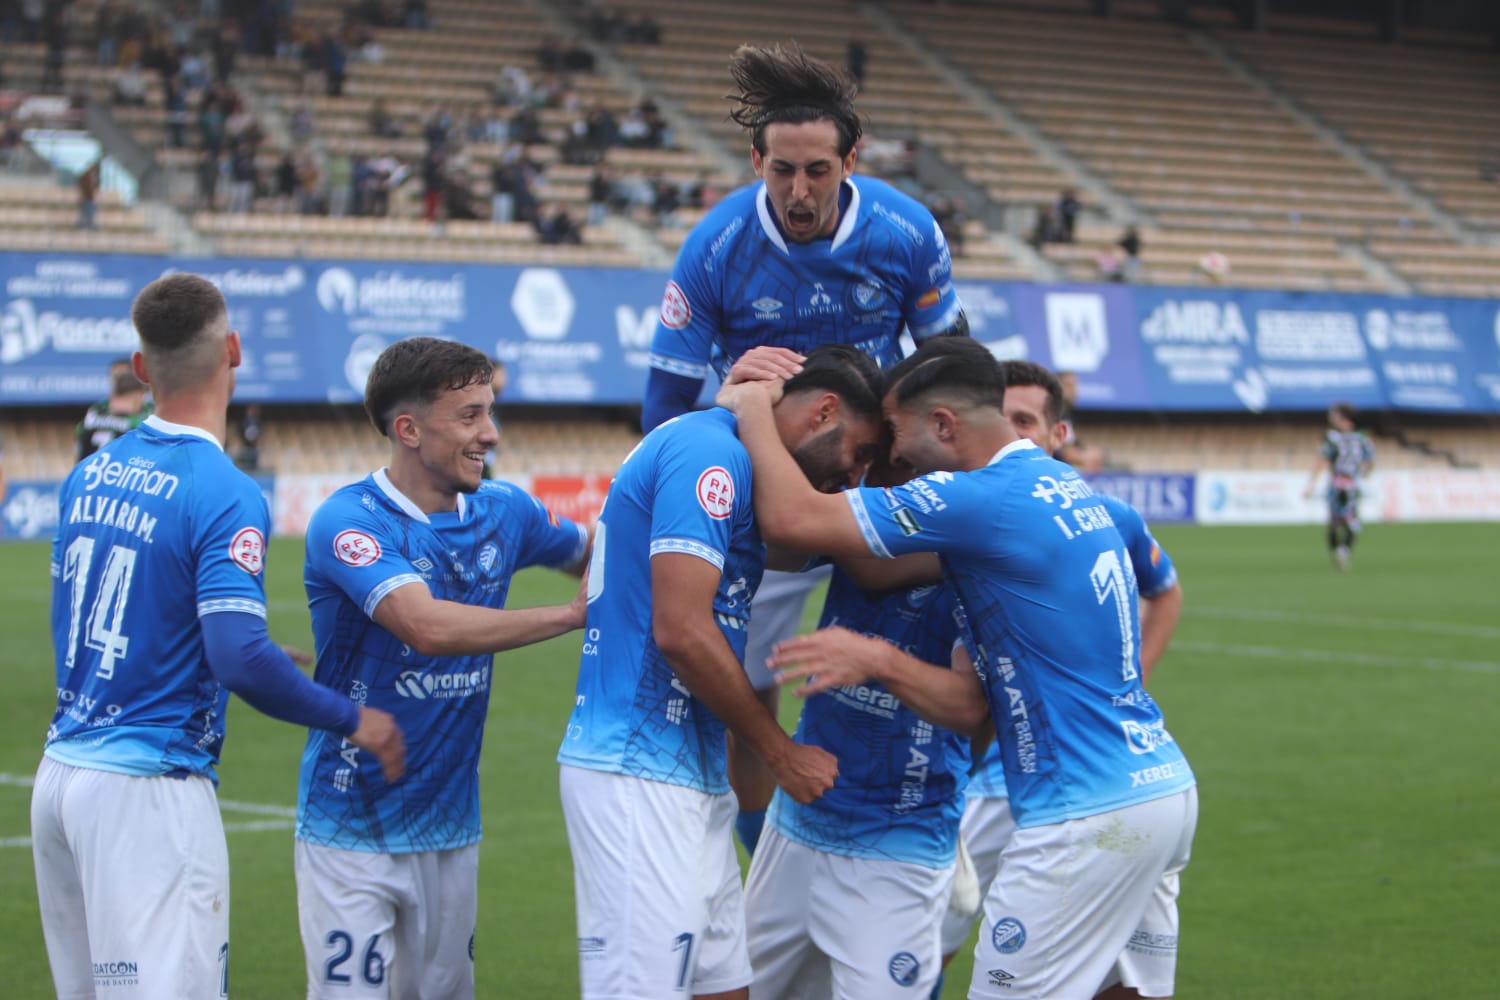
point(171, 312)
point(845, 370)
point(416, 371)
point(957, 369)
point(783, 84)
point(1345, 410)
point(1019, 373)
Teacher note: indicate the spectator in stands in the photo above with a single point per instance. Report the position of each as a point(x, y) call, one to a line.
point(382, 122)
point(243, 177)
point(414, 14)
point(1065, 215)
point(635, 130)
point(88, 196)
point(549, 54)
point(1044, 229)
point(603, 131)
point(512, 86)
point(177, 112)
point(526, 126)
point(857, 60)
point(434, 177)
point(557, 227)
point(605, 24)
point(209, 168)
point(106, 34)
point(601, 192)
point(339, 178)
point(249, 430)
point(1130, 245)
point(336, 64)
point(226, 48)
point(643, 30)
point(130, 86)
point(666, 200)
point(55, 35)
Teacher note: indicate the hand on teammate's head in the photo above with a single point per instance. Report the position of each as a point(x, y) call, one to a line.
point(765, 363)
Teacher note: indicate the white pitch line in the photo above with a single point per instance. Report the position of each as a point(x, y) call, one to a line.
point(1342, 658)
point(1346, 621)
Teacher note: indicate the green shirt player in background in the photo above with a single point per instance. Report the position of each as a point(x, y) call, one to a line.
point(1348, 456)
point(110, 418)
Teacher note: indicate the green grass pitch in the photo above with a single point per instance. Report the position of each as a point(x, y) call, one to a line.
point(1343, 729)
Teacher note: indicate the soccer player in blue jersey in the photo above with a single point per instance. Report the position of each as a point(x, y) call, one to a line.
point(810, 254)
point(645, 793)
point(1034, 405)
point(846, 894)
point(407, 574)
point(1046, 583)
point(158, 612)
point(1348, 456)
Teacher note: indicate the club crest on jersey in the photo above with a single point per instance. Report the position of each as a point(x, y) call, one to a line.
point(487, 556)
point(716, 492)
point(675, 310)
point(248, 550)
point(904, 968)
point(355, 548)
point(867, 295)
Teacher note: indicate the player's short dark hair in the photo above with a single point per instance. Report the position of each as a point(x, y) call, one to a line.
point(171, 312)
point(954, 370)
point(845, 370)
point(783, 84)
point(1345, 410)
point(1016, 373)
point(416, 371)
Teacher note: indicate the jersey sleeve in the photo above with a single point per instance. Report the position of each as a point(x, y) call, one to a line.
point(931, 305)
point(546, 539)
point(928, 514)
point(1154, 572)
point(689, 319)
point(700, 492)
point(355, 549)
point(230, 524)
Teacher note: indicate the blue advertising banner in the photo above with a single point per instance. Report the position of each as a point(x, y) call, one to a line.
point(1162, 498)
point(311, 330)
point(29, 511)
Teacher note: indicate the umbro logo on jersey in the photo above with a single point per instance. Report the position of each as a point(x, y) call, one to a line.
point(999, 977)
point(422, 564)
point(767, 308)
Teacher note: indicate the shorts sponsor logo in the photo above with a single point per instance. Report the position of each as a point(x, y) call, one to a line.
point(716, 492)
point(113, 974)
point(676, 312)
point(248, 550)
point(1008, 936)
point(904, 968)
point(591, 948)
point(355, 548)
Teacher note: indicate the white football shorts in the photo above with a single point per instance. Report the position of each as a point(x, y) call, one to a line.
point(657, 884)
point(132, 875)
point(985, 829)
point(398, 926)
point(825, 925)
point(1070, 896)
point(776, 614)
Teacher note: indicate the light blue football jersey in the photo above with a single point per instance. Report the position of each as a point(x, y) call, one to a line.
point(899, 793)
point(363, 542)
point(1049, 589)
point(155, 531)
point(738, 283)
point(1154, 574)
point(685, 488)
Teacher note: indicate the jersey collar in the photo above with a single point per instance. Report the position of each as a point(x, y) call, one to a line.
point(167, 427)
point(1020, 444)
point(383, 482)
point(840, 235)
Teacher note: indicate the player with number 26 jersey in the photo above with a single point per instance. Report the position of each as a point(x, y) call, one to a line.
point(364, 542)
